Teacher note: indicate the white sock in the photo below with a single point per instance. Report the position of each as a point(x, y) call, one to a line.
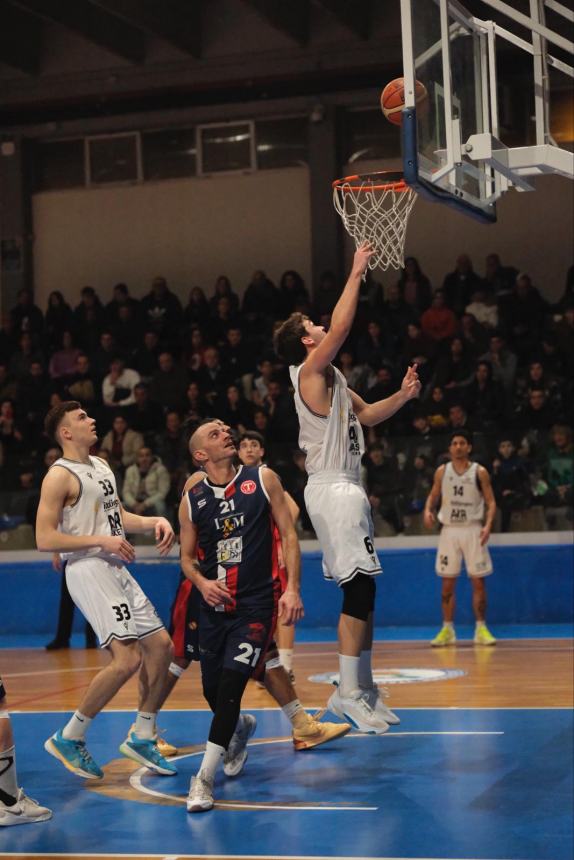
point(8, 779)
point(448, 625)
point(292, 708)
point(365, 670)
point(76, 729)
point(146, 725)
point(286, 657)
point(479, 624)
point(349, 675)
point(211, 760)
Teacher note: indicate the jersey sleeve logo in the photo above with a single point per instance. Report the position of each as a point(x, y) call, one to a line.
point(248, 487)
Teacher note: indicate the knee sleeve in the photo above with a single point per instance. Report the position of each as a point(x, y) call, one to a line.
point(229, 692)
point(210, 696)
point(359, 596)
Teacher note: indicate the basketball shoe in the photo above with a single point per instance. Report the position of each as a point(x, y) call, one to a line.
point(200, 797)
point(74, 755)
point(358, 711)
point(483, 636)
point(24, 811)
point(164, 748)
point(145, 751)
point(376, 697)
point(445, 636)
point(236, 753)
point(308, 732)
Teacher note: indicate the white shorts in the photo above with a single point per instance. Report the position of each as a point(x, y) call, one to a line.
point(458, 542)
point(341, 515)
point(111, 600)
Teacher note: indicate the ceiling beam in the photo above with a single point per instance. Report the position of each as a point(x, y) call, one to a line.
point(290, 17)
point(20, 39)
point(93, 24)
point(175, 21)
point(355, 16)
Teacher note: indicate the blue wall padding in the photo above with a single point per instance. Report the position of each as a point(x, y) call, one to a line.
point(530, 584)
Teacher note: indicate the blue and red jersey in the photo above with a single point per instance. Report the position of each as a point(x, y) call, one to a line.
point(235, 537)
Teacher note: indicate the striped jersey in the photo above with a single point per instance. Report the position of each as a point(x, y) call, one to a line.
point(235, 537)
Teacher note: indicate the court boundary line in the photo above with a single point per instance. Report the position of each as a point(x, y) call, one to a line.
point(308, 708)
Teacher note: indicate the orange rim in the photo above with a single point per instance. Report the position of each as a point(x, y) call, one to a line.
point(372, 182)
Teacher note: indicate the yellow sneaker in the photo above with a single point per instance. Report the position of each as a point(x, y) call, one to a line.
point(163, 747)
point(308, 732)
point(483, 636)
point(446, 636)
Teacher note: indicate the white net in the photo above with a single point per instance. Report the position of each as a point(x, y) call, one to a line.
point(375, 208)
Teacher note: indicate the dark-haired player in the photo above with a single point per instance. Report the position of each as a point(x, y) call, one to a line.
point(81, 517)
point(463, 488)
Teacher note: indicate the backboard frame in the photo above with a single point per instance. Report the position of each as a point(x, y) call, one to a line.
point(471, 171)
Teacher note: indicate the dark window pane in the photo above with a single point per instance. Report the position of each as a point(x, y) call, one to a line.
point(281, 143)
point(59, 165)
point(169, 153)
point(368, 135)
point(226, 147)
point(113, 159)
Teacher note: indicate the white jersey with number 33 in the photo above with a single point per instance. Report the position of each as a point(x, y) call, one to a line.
point(333, 442)
point(462, 502)
point(96, 510)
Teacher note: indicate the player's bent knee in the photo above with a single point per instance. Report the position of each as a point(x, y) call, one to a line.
point(359, 597)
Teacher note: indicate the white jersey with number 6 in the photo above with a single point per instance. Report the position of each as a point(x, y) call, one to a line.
point(333, 442)
point(462, 502)
point(96, 510)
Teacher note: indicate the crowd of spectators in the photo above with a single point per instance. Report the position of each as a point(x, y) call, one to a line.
point(493, 354)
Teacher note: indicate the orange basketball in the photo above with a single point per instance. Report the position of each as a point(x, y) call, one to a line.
point(393, 99)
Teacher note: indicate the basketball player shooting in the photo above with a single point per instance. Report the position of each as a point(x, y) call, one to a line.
point(330, 418)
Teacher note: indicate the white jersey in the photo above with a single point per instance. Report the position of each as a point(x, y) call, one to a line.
point(462, 502)
point(96, 511)
point(333, 442)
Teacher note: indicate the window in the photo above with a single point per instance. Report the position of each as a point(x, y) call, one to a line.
point(281, 143)
point(169, 153)
point(226, 147)
point(59, 164)
point(369, 136)
point(113, 159)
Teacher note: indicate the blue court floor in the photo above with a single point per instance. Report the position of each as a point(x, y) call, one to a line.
point(493, 784)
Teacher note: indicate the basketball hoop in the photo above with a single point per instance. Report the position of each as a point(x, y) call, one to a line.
point(375, 208)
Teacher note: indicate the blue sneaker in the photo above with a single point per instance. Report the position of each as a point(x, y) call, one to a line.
point(74, 755)
point(144, 751)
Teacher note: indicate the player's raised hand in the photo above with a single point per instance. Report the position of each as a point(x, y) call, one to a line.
point(164, 536)
point(362, 256)
point(411, 384)
point(290, 608)
point(214, 592)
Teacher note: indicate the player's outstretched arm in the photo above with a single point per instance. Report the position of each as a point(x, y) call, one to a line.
point(429, 517)
point(214, 592)
point(371, 414)
point(490, 501)
point(342, 316)
point(290, 603)
point(58, 488)
point(164, 534)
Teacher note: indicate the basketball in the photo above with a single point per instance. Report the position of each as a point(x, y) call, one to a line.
point(393, 99)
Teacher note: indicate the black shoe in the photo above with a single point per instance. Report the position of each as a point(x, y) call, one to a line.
point(57, 645)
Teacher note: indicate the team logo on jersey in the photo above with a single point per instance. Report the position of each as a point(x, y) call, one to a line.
point(230, 550)
point(248, 487)
point(228, 524)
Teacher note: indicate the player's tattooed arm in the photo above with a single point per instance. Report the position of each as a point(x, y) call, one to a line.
point(429, 517)
point(290, 603)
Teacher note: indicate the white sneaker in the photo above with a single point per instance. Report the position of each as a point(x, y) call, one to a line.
point(357, 710)
point(236, 754)
point(200, 797)
point(25, 811)
point(377, 696)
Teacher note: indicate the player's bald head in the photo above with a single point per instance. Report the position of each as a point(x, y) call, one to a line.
point(200, 435)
